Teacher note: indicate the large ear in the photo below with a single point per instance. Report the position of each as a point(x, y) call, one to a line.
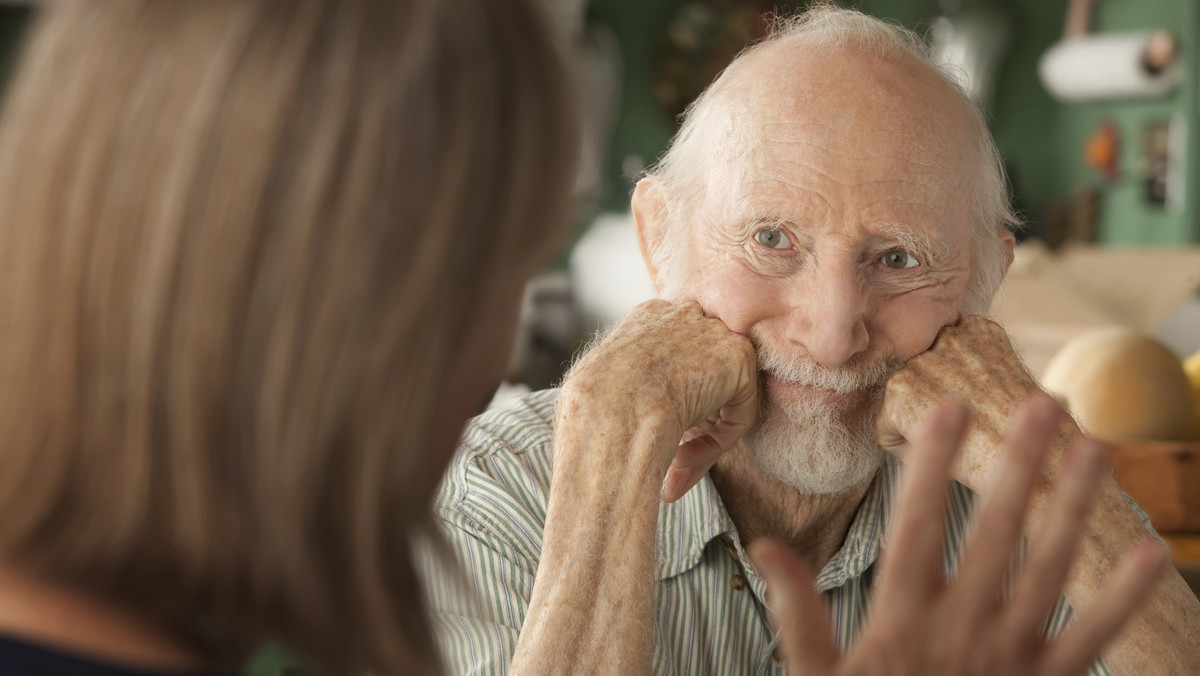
point(650, 219)
point(1007, 242)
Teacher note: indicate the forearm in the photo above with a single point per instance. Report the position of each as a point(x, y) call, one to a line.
point(1164, 636)
point(621, 415)
point(593, 600)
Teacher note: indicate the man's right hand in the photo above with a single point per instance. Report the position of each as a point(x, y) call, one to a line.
point(686, 372)
point(666, 374)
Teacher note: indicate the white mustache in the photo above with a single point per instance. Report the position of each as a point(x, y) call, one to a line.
point(801, 370)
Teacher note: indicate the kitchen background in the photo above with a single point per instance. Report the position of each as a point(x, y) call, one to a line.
point(1094, 105)
point(1119, 168)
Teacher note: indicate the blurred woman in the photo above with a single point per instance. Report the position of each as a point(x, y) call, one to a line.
point(259, 260)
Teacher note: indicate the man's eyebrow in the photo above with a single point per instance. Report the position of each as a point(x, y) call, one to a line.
point(914, 242)
point(770, 222)
point(762, 218)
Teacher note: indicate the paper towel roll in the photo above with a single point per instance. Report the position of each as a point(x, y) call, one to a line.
point(1104, 66)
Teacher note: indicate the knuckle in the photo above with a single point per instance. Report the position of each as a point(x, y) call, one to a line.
point(747, 348)
point(954, 338)
point(731, 350)
point(689, 308)
point(972, 322)
point(654, 306)
point(979, 325)
point(907, 377)
point(988, 325)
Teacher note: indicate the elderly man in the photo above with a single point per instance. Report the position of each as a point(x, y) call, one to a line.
point(823, 230)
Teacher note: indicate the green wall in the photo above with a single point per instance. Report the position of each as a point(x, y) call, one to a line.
point(640, 129)
point(1125, 217)
point(13, 21)
point(1023, 116)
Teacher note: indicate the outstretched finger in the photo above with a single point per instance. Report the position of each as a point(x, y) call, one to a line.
point(1080, 644)
point(910, 568)
point(798, 612)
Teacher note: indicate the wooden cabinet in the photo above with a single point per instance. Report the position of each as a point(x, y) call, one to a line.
point(1164, 478)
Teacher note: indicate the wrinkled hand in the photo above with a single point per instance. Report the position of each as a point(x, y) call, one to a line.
point(671, 364)
point(972, 362)
point(920, 624)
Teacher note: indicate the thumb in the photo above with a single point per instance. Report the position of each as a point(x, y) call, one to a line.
point(888, 432)
point(797, 610)
point(705, 442)
point(891, 440)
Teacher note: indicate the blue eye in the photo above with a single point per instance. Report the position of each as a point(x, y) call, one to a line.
point(772, 238)
point(899, 259)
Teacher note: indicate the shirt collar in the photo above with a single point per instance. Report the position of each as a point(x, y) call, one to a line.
point(865, 536)
point(687, 526)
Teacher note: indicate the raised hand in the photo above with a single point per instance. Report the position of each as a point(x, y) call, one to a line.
point(922, 624)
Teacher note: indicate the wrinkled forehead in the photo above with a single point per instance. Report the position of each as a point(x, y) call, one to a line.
point(885, 121)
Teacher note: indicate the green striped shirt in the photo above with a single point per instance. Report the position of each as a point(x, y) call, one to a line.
point(712, 618)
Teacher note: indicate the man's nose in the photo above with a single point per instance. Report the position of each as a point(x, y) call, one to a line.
point(828, 315)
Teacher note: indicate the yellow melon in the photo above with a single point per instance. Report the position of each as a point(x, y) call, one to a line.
point(1123, 385)
point(1191, 366)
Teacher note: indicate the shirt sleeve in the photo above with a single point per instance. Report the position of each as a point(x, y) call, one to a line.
point(479, 598)
point(1060, 619)
point(490, 511)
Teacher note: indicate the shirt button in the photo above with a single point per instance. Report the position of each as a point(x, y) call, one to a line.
point(737, 582)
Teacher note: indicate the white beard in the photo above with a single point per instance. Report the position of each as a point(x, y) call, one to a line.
point(817, 447)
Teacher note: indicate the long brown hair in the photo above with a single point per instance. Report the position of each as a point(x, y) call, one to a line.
point(241, 244)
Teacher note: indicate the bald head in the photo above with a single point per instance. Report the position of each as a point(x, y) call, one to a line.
point(833, 81)
point(844, 102)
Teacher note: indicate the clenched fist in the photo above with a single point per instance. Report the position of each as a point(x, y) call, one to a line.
point(671, 365)
point(975, 363)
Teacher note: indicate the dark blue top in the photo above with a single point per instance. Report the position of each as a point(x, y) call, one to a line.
point(24, 658)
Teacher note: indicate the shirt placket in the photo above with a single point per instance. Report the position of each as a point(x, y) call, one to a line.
point(769, 659)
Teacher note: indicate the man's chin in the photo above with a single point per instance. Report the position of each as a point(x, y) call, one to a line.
point(816, 473)
point(822, 445)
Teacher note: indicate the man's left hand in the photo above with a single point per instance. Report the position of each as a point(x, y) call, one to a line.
point(973, 362)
